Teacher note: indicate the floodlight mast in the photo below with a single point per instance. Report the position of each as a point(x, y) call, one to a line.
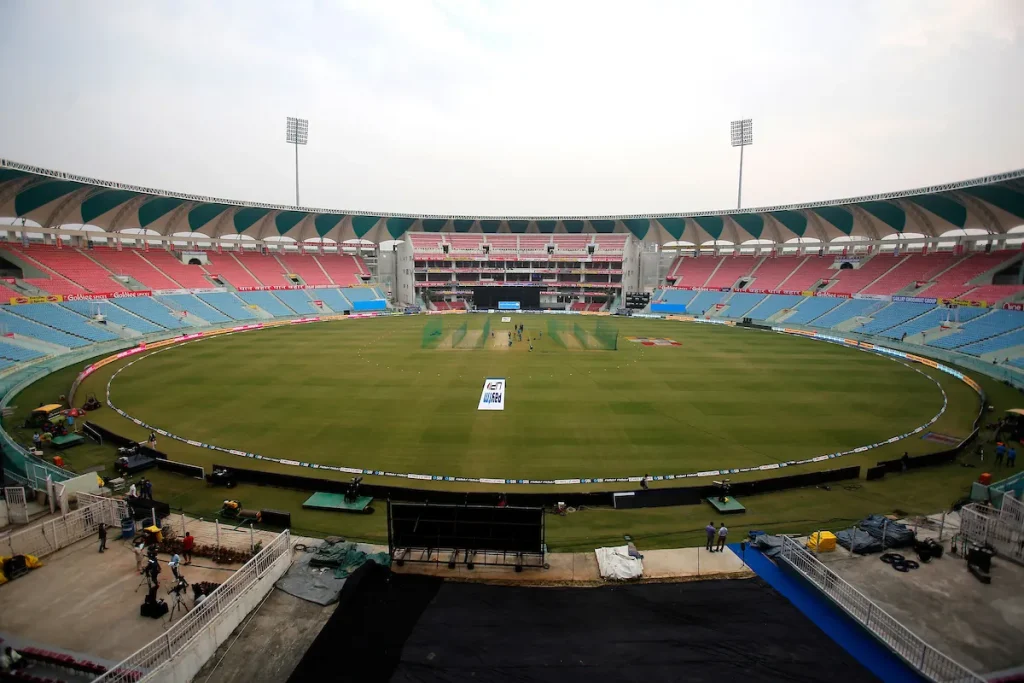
point(297, 133)
point(742, 135)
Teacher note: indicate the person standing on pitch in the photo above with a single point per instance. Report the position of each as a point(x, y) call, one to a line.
point(186, 547)
point(103, 537)
point(722, 534)
point(710, 529)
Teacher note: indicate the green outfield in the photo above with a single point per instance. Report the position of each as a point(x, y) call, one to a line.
point(368, 394)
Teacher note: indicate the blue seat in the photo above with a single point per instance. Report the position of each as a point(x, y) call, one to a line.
point(64, 320)
point(811, 308)
point(267, 301)
point(228, 304)
point(704, 302)
point(931, 320)
point(18, 325)
point(741, 302)
point(677, 296)
point(1003, 341)
point(361, 293)
point(850, 309)
point(153, 311)
point(298, 301)
point(333, 298)
point(114, 314)
point(982, 327)
point(772, 304)
point(17, 353)
point(894, 314)
point(194, 307)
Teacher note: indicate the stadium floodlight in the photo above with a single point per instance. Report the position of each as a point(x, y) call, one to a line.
point(297, 134)
point(742, 135)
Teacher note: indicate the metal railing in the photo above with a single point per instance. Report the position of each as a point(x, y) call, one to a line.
point(50, 536)
point(1002, 529)
point(934, 665)
point(163, 649)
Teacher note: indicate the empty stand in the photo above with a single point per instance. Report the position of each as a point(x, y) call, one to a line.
point(266, 269)
point(306, 267)
point(740, 304)
point(892, 315)
point(809, 272)
point(992, 294)
point(153, 311)
point(933, 319)
point(62, 319)
point(852, 280)
point(225, 267)
point(983, 327)
point(72, 265)
point(772, 304)
point(731, 270)
point(850, 308)
point(812, 308)
point(343, 269)
point(773, 271)
point(298, 301)
point(188, 277)
point(267, 301)
point(360, 294)
point(955, 281)
point(55, 285)
point(16, 354)
point(695, 271)
point(704, 302)
point(11, 323)
point(130, 263)
point(914, 268)
point(194, 307)
point(994, 344)
point(228, 304)
point(334, 299)
point(114, 314)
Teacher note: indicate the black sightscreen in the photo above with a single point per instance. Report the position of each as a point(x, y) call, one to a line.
point(488, 297)
point(465, 527)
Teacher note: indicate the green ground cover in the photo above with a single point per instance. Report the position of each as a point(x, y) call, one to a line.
point(367, 394)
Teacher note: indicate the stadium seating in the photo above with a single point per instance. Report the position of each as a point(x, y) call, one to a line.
point(12, 323)
point(360, 294)
point(772, 304)
point(811, 309)
point(344, 269)
point(187, 277)
point(704, 302)
point(570, 244)
point(852, 280)
point(72, 265)
point(194, 307)
point(740, 303)
point(305, 266)
point(676, 296)
point(114, 314)
point(129, 262)
point(228, 304)
point(267, 301)
point(851, 308)
point(914, 268)
point(982, 327)
point(228, 269)
point(808, 273)
point(1017, 362)
point(931, 320)
point(334, 299)
point(992, 294)
point(993, 344)
point(153, 311)
point(892, 315)
point(55, 285)
point(774, 271)
point(298, 301)
point(17, 354)
point(264, 268)
point(578, 306)
point(954, 282)
point(6, 294)
point(62, 319)
point(694, 271)
point(731, 270)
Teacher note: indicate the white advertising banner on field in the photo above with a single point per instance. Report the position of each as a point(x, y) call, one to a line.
point(493, 395)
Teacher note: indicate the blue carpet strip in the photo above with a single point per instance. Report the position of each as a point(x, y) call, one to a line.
point(839, 626)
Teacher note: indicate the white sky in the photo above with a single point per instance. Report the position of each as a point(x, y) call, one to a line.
point(516, 107)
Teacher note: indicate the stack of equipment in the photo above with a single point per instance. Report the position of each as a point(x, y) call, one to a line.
point(822, 542)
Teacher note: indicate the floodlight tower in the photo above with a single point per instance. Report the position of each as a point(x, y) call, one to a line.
point(297, 134)
point(742, 135)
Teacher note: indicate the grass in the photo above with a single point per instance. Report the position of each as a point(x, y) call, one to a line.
point(364, 393)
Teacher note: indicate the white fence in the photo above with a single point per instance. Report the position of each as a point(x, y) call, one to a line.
point(934, 665)
point(51, 536)
point(154, 660)
point(1003, 529)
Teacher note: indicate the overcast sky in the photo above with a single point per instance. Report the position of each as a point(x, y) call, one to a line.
point(516, 107)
